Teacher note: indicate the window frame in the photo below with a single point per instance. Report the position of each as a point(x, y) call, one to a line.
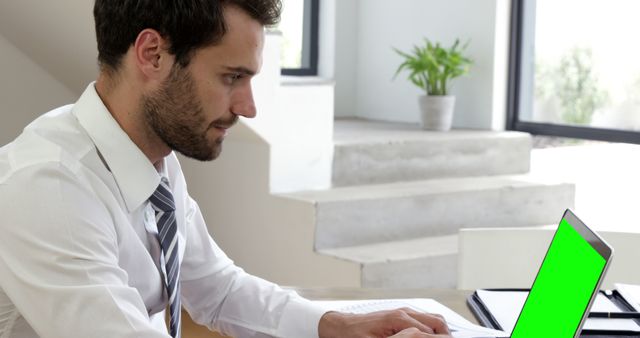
point(310, 41)
point(515, 78)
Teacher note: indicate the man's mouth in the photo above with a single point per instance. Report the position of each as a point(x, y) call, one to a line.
point(224, 125)
point(223, 129)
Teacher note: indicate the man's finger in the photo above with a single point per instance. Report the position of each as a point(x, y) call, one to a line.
point(401, 320)
point(415, 333)
point(434, 321)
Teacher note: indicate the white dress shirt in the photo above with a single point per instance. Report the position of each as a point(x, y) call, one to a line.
point(79, 256)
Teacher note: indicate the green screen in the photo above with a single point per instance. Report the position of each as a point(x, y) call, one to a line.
point(562, 289)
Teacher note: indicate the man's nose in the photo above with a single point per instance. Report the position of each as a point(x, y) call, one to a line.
point(244, 104)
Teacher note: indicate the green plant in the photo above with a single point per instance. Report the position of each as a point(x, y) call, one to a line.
point(431, 66)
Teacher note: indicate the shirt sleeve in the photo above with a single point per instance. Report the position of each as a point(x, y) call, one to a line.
point(59, 259)
point(221, 296)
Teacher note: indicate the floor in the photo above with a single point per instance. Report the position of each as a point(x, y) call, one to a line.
point(607, 178)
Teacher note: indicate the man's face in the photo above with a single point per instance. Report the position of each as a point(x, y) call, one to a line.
point(195, 105)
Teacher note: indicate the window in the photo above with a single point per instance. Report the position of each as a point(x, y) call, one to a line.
point(575, 69)
point(299, 27)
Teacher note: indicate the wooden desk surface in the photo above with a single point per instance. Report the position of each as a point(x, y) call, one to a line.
point(454, 299)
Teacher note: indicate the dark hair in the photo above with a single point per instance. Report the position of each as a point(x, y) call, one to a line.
point(187, 24)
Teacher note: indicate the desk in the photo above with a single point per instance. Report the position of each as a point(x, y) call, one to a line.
point(454, 299)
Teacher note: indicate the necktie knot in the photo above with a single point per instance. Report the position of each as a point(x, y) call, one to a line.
point(162, 199)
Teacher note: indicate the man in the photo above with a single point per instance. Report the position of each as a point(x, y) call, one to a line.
point(99, 233)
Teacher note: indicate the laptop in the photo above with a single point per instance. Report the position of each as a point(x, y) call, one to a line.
point(566, 284)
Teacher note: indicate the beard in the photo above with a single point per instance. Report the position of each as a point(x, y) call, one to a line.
point(176, 116)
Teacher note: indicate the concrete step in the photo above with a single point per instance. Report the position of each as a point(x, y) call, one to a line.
point(429, 262)
point(369, 152)
point(351, 216)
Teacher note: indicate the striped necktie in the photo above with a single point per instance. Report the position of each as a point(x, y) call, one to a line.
point(162, 203)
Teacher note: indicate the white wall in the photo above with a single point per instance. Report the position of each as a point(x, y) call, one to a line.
point(295, 117)
point(365, 63)
point(302, 151)
point(345, 28)
point(57, 35)
point(327, 39)
point(26, 91)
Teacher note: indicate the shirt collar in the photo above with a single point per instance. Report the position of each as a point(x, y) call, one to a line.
point(135, 175)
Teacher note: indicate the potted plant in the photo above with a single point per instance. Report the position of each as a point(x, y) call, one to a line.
point(431, 67)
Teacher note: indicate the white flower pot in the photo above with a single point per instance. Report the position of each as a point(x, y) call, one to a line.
point(436, 112)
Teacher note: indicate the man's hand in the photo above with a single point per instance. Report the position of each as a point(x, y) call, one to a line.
point(382, 324)
point(415, 333)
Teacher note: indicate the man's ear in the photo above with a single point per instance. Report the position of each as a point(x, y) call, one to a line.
point(152, 58)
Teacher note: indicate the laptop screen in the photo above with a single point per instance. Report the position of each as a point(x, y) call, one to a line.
point(566, 282)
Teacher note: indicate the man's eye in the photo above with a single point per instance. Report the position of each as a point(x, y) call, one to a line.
point(231, 78)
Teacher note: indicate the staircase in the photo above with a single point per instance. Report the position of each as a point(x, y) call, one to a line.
point(401, 194)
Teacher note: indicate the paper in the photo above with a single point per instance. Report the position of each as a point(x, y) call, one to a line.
point(630, 293)
point(459, 326)
point(505, 307)
point(604, 304)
